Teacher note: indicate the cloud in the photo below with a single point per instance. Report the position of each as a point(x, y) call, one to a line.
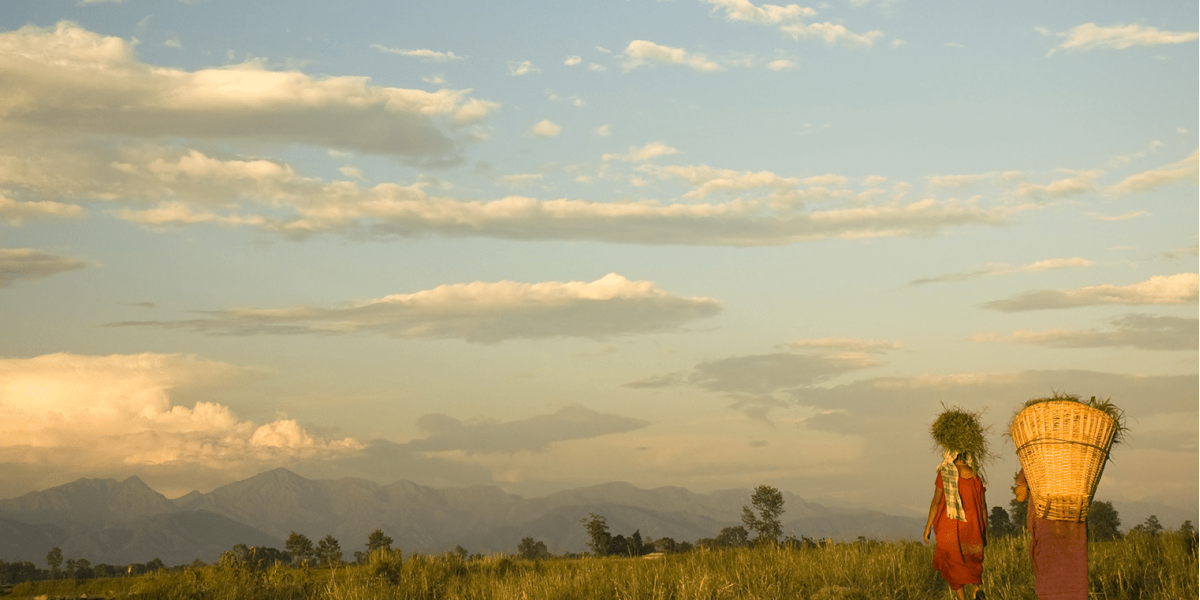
point(190, 187)
point(1160, 289)
point(790, 20)
point(780, 64)
point(572, 61)
point(444, 433)
point(639, 52)
point(15, 212)
point(1181, 170)
point(521, 178)
point(522, 68)
point(477, 312)
point(21, 264)
point(71, 82)
point(646, 152)
point(962, 181)
point(74, 413)
point(1003, 269)
point(603, 130)
point(1089, 36)
point(1133, 214)
point(1069, 186)
point(759, 383)
point(422, 53)
point(1145, 332)
point(545, 128)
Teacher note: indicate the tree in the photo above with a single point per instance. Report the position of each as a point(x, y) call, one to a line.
point(532, 550)
point(1103, 522)
point(999, 524)
point(299, 547)
point(1150, 526)
point(329, 552)
point(1018, 513)
point(733, 537)
point(378, 541)
point(768, 501)
point(597, 528)
point(54, 559)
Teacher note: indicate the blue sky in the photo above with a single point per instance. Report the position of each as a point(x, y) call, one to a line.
point(543, 245)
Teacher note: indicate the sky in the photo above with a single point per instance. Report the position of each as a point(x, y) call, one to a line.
point(542, 245)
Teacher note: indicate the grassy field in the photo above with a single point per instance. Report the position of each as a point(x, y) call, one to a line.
point(1162, 567)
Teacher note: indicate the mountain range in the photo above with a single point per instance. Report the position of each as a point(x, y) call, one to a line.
point(119, 522)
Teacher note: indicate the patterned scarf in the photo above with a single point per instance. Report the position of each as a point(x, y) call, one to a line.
point(954, 506)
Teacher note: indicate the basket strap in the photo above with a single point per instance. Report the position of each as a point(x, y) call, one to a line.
point(1042, 441)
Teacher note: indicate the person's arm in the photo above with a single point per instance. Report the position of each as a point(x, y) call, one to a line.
point(933, 510)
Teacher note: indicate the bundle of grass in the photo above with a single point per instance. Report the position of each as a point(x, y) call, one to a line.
point(959, 431)
point(1063, 444)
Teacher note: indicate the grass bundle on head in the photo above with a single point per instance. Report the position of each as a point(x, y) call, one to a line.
point(959, 430)
point(1105, 406)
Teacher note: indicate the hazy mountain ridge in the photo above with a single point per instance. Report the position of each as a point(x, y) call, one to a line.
point(121, 522)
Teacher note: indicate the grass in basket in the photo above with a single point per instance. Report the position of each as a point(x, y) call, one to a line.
point(959, 430)
point(1105, 406)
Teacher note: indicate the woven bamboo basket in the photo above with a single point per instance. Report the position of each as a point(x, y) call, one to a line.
point(1063, 446)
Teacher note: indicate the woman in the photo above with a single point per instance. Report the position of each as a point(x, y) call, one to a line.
point(1058, 550)
point(958, 517)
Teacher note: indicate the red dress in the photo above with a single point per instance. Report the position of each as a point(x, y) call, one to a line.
point(959, 553)
point(1058, 550)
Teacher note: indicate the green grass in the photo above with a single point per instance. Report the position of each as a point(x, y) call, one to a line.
point(1136, 568)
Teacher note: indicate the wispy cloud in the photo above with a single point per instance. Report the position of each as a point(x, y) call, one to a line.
point(16, 211)
point(476, 312)
point(1005, 269)
point(23, 264)
point(1186, 169)
point(445, 433)
point(640, 52)
point(646, 152)
point(1160, 289)
point(790, 20)
point(1089, 36)
point(525, 67)
point(424, 53)
point(1146, 332)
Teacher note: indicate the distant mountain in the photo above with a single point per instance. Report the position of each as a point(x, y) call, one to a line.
point(121, 522)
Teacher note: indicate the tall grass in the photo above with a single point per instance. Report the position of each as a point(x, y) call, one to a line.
point(1141, 567)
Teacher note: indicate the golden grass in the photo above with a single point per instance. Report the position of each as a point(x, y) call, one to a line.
point(1139, 567)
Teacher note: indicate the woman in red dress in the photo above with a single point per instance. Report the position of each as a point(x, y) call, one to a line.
point(958, 518)
point(1058, 550)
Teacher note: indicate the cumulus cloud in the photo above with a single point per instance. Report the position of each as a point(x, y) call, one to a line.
point(1146, 332)
point(22, 264)
point(640, 52)
point(545, 128)
point(85, 413)
point(780, 64)
point(521, 68)
point(707, 180)
point(71, 81)
point(646, 152)
point(476, 312)
point(1089, 36)
point(1181, 170)
point(422, 53)
point(1160, 289)
point(572, 61)
point(444, 433)
point(1004, 269)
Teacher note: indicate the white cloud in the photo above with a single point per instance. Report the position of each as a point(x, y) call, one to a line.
point(833, 34)
point(1004, 269)
point(1181, 170)
point(603, 130)
point(1160, 289)
point(521, 68)
point(639, 52)
point(545, 128)
point(780, 64)
point(1079, 183)
point(646, 152)
point(572, 61)
point(477, 312)
point(83, 413)
point(20, 264)
point(426, 54)
point(74, 82)
point(521, 178)
point(597, 68)
point(743, 10)
point(475, 109)
point(15, 212)
point(1091, 37)
point(708, 180)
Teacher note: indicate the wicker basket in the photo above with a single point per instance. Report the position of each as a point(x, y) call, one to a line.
point(1063, 446)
